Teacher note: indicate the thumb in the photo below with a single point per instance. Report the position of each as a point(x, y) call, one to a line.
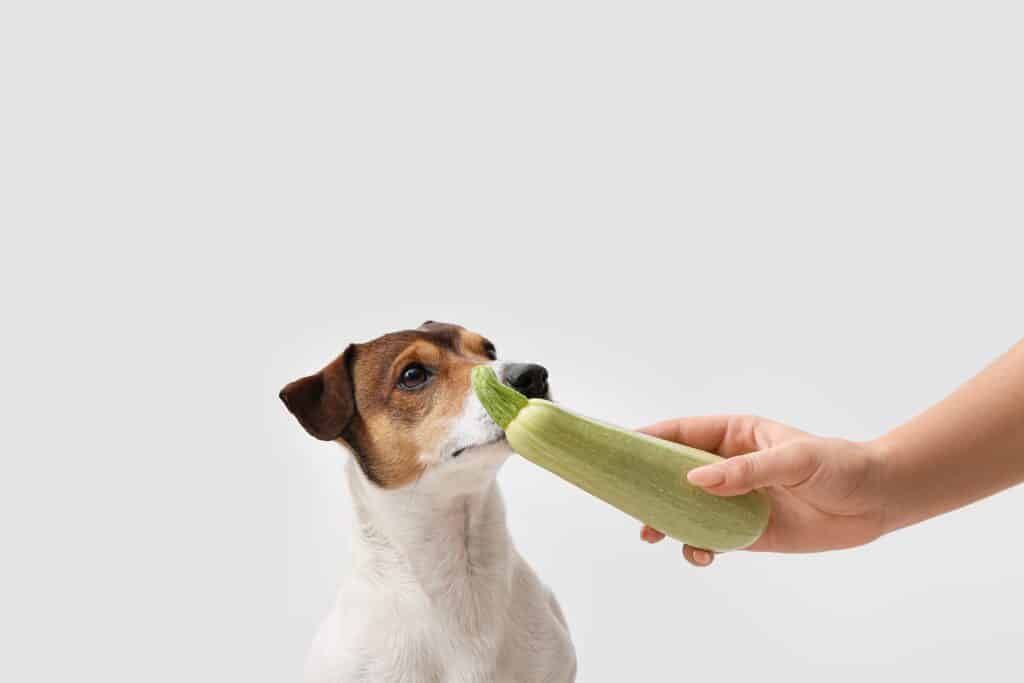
point(786, 465)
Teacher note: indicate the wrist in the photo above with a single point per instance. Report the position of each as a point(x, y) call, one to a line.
point(883, 452)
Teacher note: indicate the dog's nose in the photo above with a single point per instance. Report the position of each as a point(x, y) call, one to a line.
point(529, 379)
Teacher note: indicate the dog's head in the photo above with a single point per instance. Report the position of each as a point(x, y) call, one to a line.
point(404, 404)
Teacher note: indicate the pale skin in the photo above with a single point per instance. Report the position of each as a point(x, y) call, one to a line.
point(829, 493)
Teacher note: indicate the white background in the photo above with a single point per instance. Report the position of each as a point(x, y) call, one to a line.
point(806, 210)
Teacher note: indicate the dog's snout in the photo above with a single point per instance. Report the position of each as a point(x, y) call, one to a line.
point(529, 379)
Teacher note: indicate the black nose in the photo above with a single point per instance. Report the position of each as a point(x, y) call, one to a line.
point(529, 379)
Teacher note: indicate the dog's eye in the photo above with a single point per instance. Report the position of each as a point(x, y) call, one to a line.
point(490, 351)
point(413, 376)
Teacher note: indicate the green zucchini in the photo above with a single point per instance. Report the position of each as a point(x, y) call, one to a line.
point(640, 475)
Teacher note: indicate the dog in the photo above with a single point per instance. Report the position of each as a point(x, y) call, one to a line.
point(437, 592)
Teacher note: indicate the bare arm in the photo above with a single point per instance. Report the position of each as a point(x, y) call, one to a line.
point(830, 493)
point(964, 448)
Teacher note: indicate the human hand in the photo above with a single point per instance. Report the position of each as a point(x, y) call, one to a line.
point(825, 493)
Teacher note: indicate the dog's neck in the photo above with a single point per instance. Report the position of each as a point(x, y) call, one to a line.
point(447, 537)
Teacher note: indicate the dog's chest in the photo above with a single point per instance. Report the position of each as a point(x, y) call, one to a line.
point(403, 634)
point(400, 634)
point(439, 595)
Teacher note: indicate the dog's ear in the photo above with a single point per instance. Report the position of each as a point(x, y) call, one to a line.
point(323, 403)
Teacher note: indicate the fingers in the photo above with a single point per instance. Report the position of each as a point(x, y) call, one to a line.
point(787, 465)
point(698, 557)
point(705, 433)
point(695, 556)
point(726, 435)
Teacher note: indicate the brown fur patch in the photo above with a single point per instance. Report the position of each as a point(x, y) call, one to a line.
point(392, 427)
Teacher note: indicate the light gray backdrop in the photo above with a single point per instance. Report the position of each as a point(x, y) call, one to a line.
point(801, 209)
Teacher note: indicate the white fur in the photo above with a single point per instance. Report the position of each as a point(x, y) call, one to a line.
point(438, 593)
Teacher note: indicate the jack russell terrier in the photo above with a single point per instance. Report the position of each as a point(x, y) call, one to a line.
point(438, 593)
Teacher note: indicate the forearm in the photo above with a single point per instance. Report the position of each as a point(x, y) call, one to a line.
point(965, 448)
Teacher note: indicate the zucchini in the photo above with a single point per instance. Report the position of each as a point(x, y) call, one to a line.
point(643, 476)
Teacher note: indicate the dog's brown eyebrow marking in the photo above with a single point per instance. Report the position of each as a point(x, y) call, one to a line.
point(446, 336)
point(425, 350)
point(458, 339)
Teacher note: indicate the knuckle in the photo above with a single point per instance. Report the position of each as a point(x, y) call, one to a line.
point(746, 424)
point(745, 469)
point(803, 461)
point(742, 432)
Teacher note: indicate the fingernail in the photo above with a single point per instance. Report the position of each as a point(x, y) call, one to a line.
point(702, 557)
point(648, 535)
point(708, 475)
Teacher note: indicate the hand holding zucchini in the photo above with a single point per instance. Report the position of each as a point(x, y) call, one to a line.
point(643, 476)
